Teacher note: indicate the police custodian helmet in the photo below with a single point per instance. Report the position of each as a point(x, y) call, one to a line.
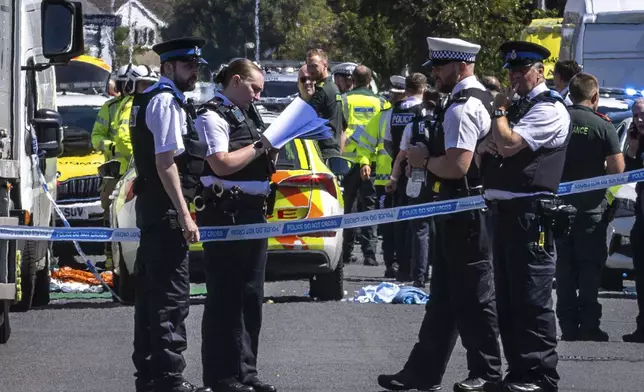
point(182, 49)
point(522, 53)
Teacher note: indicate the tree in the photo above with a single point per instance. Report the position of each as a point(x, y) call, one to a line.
point(122, 47)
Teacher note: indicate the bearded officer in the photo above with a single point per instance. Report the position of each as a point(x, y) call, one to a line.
point(169, 157)
point(463, 299)
point(522, 168)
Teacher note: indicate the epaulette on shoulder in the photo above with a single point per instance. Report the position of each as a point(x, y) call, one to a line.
point(603, 116)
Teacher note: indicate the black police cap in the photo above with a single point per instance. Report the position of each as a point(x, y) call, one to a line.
point(522, 53)
point(186, 49)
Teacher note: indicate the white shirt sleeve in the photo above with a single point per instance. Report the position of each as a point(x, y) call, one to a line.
point(545, 125)
point(405, 141)
point(215, 131)
point(465, 124)
point(167, 121)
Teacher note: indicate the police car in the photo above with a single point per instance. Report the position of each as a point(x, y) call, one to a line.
point(78, 182)
point(306, 189)
point(280, 84)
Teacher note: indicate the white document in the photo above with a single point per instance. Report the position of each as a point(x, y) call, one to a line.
point(286, 126)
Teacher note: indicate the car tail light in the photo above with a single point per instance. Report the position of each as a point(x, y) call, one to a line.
point(316, 180)
point(129, 190)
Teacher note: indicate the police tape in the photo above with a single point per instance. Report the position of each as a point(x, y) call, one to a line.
point(305, 226)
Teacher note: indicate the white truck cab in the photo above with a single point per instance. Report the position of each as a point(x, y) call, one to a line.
point(605, 37)
point(34, 35)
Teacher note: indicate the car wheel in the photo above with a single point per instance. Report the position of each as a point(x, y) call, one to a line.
point(124, 281)
point(329, 287)
point(612, 280)
point(5, 327)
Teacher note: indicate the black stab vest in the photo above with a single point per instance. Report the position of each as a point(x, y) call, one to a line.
point(244, 130)
point(151, 195)
point(527, 171)
point(399, 119)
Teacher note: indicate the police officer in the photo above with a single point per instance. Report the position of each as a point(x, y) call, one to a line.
point(563, 73)
point(325, 101)
point(402, 113)
point(634, 161)
point(236, 183)
point(593, 151)
point(360, 105)
point(343, 76)
point(169, 158)
point(463, 299)
point(522, 167)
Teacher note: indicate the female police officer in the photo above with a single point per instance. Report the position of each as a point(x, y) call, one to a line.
point(236, 185)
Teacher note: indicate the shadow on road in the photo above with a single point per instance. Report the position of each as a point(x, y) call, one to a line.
point(617, 295)
point(81, 305)
point(368, 279)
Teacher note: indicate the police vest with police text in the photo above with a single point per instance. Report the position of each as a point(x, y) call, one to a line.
point(244, 131)
point(399, 119)
point(527, 171)
point(148, 186)
point(431, 132)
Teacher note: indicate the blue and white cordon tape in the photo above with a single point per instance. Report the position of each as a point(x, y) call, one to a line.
point(276, 229)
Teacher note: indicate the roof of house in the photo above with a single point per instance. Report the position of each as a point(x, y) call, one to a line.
point(162, 9)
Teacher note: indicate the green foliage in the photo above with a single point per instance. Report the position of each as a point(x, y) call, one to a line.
point(386, 35)
point(122, 47)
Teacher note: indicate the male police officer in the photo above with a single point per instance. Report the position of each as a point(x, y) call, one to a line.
point(169, 158)
point(403, 113)
point(342, 76)
point(462, 288)
point(593, 151)
point(521, 174)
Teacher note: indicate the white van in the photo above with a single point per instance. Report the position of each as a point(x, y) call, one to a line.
point(606, 37)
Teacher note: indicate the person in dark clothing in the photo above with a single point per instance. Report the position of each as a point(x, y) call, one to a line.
point(593, 151)
point(634, 161)
point(169, 156)
point(326, 101)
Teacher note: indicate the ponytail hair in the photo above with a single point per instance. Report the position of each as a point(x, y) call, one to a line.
point(242, 67)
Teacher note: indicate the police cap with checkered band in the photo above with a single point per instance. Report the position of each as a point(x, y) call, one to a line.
point(182, 49)
point(522, 53)
point(446, 50)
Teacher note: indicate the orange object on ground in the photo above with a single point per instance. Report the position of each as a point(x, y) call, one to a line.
point(68, 274)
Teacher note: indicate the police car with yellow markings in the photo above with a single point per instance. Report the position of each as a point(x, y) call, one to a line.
point(306, 189)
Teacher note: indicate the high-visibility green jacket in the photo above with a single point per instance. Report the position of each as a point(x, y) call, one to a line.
point(359, 107)
point(111, 133)
point(377, 153)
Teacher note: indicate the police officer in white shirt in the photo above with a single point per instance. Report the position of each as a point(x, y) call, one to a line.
point(522, 166)
point(463, 298)
point(169, 156)
point(236, 180)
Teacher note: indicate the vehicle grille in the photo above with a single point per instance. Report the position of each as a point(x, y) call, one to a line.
point(79, 189)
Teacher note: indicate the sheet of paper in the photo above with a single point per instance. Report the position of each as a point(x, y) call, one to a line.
point(296, 115)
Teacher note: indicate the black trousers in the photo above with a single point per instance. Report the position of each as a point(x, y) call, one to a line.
point(581, 257)
point(232, 317)
point(388, 230)
point(402, 236)
point(524, 273)
point(637, 241)
point(356, 187)
point(161, 306)
point(463, 301)
point(421, 231)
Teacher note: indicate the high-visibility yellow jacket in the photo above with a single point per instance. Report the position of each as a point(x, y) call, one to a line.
point(377, 153)
point(359, 107)
point(111, 133)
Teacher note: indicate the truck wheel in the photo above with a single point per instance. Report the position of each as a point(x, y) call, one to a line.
point(329, 287)
point(612, 280)
point(124, 281)
point(42, 283)
point(28, 269)
point(5, 327)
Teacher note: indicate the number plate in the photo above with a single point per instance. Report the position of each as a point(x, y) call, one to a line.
point(77, 213)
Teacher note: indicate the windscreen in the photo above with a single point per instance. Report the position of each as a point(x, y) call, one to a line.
point(279, 89)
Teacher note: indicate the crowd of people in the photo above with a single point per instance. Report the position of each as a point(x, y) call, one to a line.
point(460, 135)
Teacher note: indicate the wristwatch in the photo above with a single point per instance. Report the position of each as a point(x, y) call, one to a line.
point(499, 113)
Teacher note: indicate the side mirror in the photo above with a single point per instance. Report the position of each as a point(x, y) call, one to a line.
point(339, 166)
point(62, 30)
point(48, 125)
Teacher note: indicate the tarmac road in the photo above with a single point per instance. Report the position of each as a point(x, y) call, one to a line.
point(305, 345)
